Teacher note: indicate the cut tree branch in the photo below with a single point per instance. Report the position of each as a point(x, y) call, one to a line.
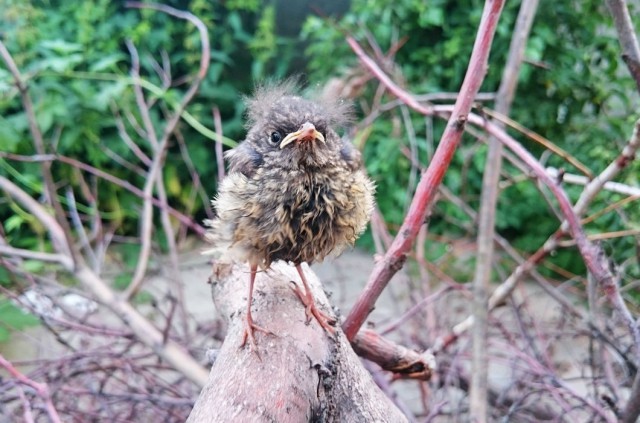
point(298, 373)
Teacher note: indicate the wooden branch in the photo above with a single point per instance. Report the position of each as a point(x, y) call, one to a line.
point(431, 178)
point(616, 187)
point(169, 350)
point(300, 373)
point(627, 155)
point(217, 123)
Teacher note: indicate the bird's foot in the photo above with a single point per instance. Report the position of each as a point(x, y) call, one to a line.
point(248, 333)
point(327, 322)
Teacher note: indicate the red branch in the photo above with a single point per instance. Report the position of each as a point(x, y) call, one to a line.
point(431, 178)
point(41, 388)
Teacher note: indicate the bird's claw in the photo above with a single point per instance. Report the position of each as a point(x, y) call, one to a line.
point(249, 329)
point(311, 310)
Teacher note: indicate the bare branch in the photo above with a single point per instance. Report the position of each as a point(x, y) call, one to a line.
point(486, 216)
point(627, 37)
point(427, 187)
point(616, 187)
point(41, 388)
point(61, 259)
point(627, 155)
point(217, 121)
point(403, 362)
point(55, 231)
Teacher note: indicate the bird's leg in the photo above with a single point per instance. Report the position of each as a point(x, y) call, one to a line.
point(310, 305)
point(249, 326)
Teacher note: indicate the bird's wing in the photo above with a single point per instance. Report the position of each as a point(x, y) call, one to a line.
point(350, 154)
point(244, 159)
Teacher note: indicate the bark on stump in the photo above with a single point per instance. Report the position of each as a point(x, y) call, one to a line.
point(302, 374)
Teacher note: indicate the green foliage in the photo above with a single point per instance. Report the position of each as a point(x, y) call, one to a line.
point(122, 281)
point(573, 90)
point(12, 318)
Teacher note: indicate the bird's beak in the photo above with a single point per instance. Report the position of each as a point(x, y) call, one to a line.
point(306, 132)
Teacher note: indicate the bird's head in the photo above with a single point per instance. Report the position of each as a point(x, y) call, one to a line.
point(293, 132)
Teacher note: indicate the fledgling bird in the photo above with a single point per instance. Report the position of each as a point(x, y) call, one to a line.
point(295, 191)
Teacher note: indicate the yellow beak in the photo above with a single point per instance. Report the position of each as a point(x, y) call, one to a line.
point(306, 132)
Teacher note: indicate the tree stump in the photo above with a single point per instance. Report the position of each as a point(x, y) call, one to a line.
point(300, 373)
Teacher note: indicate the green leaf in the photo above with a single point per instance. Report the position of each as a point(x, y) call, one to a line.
point(5, 335)
point(129, 254)
point(432, 16)
point(33, 266)
point(14, 318)
point(4, 277)
point(13, 223)
point(107, 62)
point(143, 298)
point(61, 46)
point(9, 137)
point(108, 93)
point(122, 281)
point(59, 64)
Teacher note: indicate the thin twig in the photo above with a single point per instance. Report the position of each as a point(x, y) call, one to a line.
point(616, 187)
point(55, 231)
point(217, 122)
point(486, 216)
point(185, 220)
point(146, 216)
point(61, 259)
point(124, 135)
point(41, 388)
point(499, 116)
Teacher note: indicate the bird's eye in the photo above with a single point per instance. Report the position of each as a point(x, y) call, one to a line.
point(275, 137)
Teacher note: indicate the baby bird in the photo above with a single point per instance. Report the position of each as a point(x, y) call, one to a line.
point(295, 191)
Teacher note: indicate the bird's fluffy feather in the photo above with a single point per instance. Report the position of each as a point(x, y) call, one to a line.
point(337, 111)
